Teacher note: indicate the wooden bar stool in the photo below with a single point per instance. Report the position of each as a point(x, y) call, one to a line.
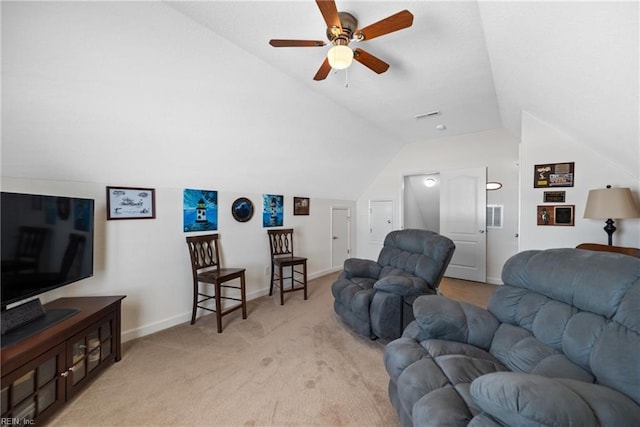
point(281, 244)
point(205, 265)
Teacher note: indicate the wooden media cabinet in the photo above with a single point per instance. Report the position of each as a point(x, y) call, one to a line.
point(42, 372)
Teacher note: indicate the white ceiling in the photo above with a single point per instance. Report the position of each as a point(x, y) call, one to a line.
point(440, 63)
point(181, 83)
point(574, 64)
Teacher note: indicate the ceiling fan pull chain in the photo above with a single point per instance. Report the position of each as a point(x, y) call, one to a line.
point(346, 78)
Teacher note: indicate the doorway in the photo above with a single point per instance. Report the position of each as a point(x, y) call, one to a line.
point(452, 203)
point(340, 236)
point(422, 202)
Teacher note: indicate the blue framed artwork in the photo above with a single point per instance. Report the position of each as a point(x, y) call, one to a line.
point(200, 209)
point(272, 210)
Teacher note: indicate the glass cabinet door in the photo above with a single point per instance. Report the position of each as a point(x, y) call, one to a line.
point(88, 351)
point(39, 386)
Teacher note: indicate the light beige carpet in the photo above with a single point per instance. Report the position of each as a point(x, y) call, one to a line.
point(291, 365)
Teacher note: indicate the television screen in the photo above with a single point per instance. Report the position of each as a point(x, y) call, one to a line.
point(47, 242)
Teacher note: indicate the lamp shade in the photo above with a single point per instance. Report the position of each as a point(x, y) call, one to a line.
point(605, 203)
point(340, 57)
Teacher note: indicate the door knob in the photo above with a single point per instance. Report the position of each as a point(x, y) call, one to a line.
point(481, 231)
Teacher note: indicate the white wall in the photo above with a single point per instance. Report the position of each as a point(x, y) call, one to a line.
point(148, 261)
point(573, 63)
point(135, 92)
point(495, 149)
point(542, 144)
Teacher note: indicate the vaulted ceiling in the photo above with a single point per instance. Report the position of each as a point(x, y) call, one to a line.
point(440, 63)
point(480, 64)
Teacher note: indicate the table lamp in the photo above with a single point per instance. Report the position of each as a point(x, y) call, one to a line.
point(608, 203)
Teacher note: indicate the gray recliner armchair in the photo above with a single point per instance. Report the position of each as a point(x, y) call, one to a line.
point(375, 298)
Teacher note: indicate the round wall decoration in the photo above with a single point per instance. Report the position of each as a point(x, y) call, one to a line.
point(242, 209)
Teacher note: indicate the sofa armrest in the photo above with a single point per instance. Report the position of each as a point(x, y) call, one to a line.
point(438, 317)
point(402, 285)
point(357, 267)
point(524, 399)
point(400, 354)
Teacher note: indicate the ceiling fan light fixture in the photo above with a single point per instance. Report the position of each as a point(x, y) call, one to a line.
point(340, 57)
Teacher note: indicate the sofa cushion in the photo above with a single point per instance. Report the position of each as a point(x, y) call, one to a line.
point(408, 251)
point(404, 285)
point(364, 268)
point(520, 351)
point(521, 400)
point(454, 320)
point(591, 281)
point(441, 378)
point(441, 407)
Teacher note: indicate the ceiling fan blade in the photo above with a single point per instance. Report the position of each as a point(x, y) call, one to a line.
point(295, 43)
point(387, 25)
point(323, 71)
point(370, 61)
point(330, 13)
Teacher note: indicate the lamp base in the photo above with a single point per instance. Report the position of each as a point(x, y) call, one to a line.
point(610, 228)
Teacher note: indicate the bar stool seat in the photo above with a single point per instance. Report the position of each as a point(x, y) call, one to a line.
point(205, 266)
point(282, 258)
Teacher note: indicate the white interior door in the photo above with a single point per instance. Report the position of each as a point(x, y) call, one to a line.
point(340, 235)
point(380, 219)
point(463, 200)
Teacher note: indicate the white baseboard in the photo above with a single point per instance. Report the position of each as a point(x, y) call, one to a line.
point(494, 281)
point(151, 328)
point(324, 272)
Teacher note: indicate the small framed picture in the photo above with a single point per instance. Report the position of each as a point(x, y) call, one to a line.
point(554, 197)
point(556, 215)
point(301, 206)
point(242, 209)
point(553, 175)
point(272, 210)
point(131, 203)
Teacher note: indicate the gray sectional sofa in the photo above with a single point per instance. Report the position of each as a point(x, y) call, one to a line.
point(559, 345)
point(375, 298)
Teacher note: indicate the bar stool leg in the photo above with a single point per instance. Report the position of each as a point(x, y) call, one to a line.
point(195, 303)
point(271, 282)
point(243, 295)
point(281, 285)
point(304, 269)
point(218, 307)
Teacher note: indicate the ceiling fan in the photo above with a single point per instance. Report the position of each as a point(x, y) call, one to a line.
point(342, 28)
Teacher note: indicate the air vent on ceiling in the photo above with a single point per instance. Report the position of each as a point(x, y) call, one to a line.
point(429, 114)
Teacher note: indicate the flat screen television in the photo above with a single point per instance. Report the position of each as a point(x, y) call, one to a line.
point(47, 242)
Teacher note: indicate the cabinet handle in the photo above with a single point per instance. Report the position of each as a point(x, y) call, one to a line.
point(66, 373)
